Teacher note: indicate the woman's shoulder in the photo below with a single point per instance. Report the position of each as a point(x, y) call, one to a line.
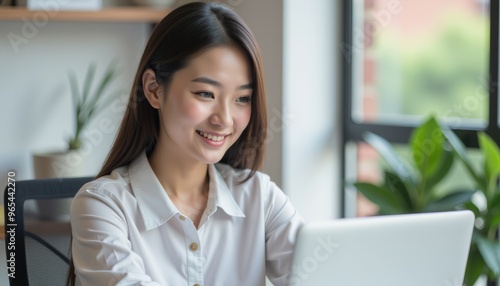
point(109, 185)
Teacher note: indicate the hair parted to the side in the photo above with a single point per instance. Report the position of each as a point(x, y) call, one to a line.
point(181, 35)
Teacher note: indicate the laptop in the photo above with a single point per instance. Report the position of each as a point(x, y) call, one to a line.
point(428, 249)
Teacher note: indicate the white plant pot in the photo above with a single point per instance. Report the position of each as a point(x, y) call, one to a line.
point(57, 165)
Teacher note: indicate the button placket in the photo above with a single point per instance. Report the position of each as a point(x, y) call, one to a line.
point(193, 251)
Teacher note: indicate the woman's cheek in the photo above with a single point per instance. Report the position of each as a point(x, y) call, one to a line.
point(244, 118)
point(195, 112)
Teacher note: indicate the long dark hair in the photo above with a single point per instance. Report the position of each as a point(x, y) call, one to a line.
point(183, 34)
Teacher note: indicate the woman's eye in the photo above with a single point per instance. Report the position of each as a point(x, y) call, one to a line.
point(244, 99)
point(205, 94)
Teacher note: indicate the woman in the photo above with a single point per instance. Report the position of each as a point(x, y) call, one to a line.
point(162, 212)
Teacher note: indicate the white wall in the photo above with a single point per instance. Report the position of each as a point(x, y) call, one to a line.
point(311, 91)
point(36, 111)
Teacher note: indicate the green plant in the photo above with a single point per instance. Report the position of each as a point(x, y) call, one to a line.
point(484, 256)
point(413, 187)
point(87, 104)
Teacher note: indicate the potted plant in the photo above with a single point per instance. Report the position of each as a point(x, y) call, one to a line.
point(414, 187)
point(87, 102)
point(484, 256)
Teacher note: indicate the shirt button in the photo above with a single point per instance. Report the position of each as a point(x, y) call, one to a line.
point(193, 246)
point(181, 217)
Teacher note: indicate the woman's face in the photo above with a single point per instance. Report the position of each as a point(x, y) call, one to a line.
point(207, 105)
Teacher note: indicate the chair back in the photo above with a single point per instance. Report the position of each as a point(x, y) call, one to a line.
point(38, 230)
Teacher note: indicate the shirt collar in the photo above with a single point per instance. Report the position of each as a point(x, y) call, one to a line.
point(155, 205)
point(220, 195)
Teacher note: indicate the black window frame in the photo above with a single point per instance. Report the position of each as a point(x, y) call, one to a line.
point(352, 132)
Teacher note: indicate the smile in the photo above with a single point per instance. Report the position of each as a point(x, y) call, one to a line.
point(214, 138)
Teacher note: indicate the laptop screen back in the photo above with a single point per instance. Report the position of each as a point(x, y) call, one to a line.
point(428, 249)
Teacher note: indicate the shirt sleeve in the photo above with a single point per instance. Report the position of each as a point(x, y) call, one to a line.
point(101, 250)
point(282, 225)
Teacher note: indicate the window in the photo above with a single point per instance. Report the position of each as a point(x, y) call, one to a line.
point(405, 60)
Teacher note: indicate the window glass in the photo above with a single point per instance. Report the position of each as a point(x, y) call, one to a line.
point(412, 58)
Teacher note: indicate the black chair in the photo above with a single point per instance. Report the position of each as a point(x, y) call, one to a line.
point(37, 240)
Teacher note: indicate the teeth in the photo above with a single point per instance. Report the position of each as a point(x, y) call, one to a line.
point(211, 137)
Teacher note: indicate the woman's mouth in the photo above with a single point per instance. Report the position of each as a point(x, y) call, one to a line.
point(215, 138)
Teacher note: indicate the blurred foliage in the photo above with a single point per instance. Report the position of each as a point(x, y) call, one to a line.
point(87, 103)
point(443, 72)
point(414, 186)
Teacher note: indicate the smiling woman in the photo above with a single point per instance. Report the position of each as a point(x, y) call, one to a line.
point(180, 200)
point(204, 109)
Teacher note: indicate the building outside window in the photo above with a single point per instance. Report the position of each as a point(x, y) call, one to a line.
point(405, 60)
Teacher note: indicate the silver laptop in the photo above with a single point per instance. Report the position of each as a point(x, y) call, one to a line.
point(428, 249)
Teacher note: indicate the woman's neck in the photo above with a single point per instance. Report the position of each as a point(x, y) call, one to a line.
point(185, 183)
point(179, 177)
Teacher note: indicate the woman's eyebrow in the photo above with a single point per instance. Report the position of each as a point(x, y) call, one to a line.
point(246, 86)
point(218, 84)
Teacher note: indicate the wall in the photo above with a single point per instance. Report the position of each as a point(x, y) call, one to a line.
point(311, 138)
point(36, 114)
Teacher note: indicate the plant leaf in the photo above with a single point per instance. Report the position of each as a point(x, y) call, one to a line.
point(384, 148)
point(490, 251)
point(495, 201)
point(459, 149)
point(106, 80)
point(106, 102)
point(88, 82)
point(75, 97)
point(475, 266)
point(495, 221)
point(73, 83)
point(427, 147)
point(397, 186)
point(491, 155)
point(88, 105)
point(444, 166)
point(450, 201)
point(387, 201)
point(471, 206)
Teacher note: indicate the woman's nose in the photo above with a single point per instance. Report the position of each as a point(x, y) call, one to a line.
point(222, 116)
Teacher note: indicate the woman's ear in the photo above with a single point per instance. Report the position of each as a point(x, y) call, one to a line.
point(152, 89)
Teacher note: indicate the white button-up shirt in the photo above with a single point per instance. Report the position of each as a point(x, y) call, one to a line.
point(127, 231)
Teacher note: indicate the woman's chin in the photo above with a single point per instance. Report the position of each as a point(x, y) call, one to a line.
point(212, 159)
